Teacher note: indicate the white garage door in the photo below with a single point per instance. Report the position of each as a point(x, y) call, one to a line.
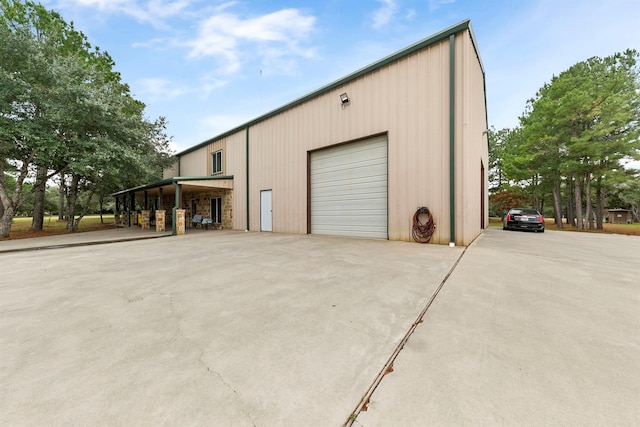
point(349, 189)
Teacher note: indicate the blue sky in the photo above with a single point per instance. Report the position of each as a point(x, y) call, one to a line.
point(208, 65)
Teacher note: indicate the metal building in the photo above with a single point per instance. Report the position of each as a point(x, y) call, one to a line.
point(354, 158)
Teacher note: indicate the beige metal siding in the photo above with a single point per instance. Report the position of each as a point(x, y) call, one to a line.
point(418, 150)
point(198, 162)
point(471, 141)
point(194, 163)
point(235, 165)
point(171, 171)
point(408, 99)
point(212, 148)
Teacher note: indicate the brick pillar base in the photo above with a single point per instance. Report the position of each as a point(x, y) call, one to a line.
point(160, 220)
point(180, 222)
point(146, 220)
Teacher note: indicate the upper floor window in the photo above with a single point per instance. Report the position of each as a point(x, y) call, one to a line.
point(216, 162)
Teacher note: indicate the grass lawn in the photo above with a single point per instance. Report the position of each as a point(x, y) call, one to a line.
point(20, 227)
point(628, 229)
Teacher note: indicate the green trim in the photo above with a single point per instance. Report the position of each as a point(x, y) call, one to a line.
point(452, 138)
point(247, 156)
point(442, 35)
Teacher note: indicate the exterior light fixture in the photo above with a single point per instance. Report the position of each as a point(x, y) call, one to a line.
point(344, 98)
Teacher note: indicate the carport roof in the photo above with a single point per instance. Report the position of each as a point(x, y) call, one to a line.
point(172, 181)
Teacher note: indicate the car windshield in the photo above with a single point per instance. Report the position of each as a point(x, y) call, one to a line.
point(525, 212)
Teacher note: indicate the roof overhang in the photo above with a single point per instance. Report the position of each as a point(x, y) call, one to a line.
point(188, 184)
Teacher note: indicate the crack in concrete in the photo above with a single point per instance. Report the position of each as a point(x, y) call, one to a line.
point(180, 332)
point(246, 412)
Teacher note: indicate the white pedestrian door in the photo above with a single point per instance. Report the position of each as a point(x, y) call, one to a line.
point(266, 219)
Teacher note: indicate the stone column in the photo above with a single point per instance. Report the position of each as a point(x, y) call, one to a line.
point(160, 220)
point(180, 222)
point(133, 218)
point(146, 220)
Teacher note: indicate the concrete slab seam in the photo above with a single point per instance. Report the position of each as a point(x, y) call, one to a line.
point(388, 367)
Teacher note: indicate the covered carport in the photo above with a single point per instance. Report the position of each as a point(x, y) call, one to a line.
point(169, 201)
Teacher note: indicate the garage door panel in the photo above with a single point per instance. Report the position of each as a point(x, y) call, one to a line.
point(349, 194)
point(339, 162)
point(365, 203)
point(361, 169)
point(355, 151)
point(353, 231)
point(354, 217)
point(333, 164)
point(354, 189)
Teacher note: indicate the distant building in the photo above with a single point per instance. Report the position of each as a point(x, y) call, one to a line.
point(356, 157)
point(618, 216)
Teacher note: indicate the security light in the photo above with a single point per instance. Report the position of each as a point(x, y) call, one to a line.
point(344, 98)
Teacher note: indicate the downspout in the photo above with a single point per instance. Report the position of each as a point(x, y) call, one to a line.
point(452, 140)
point(247, 195)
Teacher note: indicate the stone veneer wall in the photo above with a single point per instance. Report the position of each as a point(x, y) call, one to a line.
point(203, 206)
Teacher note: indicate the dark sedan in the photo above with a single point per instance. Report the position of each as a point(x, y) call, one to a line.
point(523, 219)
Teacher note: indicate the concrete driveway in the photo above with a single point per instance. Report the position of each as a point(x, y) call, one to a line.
point(217, 328)
point(529, 330)
point(254, 329)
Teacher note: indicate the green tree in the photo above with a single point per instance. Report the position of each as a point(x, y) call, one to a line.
point(498, 140)
point(24, 131)
point(64, 108)
point(579, 126)
point(624, 193)
point(506, 198)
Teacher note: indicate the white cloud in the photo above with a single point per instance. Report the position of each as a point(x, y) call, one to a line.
point(213, 125)
point(165, 9)
point(223, 34)
point(436, 4)
point(158, 89)
point(157, 44)
point(153, 12)
point(382, 16)
point(209, 83)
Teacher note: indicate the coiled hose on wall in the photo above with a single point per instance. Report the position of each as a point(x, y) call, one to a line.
point(422, 231)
